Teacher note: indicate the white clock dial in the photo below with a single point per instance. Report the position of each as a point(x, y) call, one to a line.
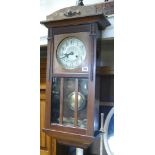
point(71, 52)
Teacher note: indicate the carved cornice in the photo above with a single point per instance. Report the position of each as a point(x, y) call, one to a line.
point(106, 8)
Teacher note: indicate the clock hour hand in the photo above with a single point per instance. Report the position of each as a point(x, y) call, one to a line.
point(67, 54)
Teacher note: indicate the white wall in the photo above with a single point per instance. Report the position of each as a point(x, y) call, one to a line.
point(109, 31)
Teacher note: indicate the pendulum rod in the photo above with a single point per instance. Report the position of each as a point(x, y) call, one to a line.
point(61, 100)
point(76, 103)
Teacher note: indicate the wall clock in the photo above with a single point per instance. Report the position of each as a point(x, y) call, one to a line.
point(72, 97)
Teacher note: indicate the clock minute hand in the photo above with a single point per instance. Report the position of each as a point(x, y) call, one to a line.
point(67, 54)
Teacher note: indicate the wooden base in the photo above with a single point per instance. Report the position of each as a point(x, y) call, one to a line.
point(81, 141)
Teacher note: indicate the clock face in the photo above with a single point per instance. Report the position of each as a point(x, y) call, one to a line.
point(71, 53)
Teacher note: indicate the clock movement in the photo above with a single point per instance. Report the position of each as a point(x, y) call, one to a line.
point(72, 94)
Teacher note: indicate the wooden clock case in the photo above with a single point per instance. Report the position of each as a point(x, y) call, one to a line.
point(88, 29)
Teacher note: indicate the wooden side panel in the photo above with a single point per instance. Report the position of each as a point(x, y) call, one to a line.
point(45, 141)
point(47, 144)
point(42, 103)
point(54, 143)
point(44, 152)
point(43, 71)
point(42, 118)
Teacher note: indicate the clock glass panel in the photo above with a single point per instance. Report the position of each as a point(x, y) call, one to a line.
point(71, 53)
point(68, 103)
point(55, 107)
point(82, 113)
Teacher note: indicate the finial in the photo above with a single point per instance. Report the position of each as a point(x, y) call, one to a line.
point(80, 3)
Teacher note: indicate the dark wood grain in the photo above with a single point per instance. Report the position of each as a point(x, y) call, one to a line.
point(82, 141)
point(68, 129)
point(100, 19)
point(70, 29)
point(92, 81)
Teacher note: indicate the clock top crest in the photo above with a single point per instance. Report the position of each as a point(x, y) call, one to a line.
point(72, 94)
point(91, 12)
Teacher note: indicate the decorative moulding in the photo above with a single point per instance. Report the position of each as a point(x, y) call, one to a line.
point(106, 8)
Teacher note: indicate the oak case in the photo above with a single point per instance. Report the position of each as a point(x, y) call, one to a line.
point(88, 30)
